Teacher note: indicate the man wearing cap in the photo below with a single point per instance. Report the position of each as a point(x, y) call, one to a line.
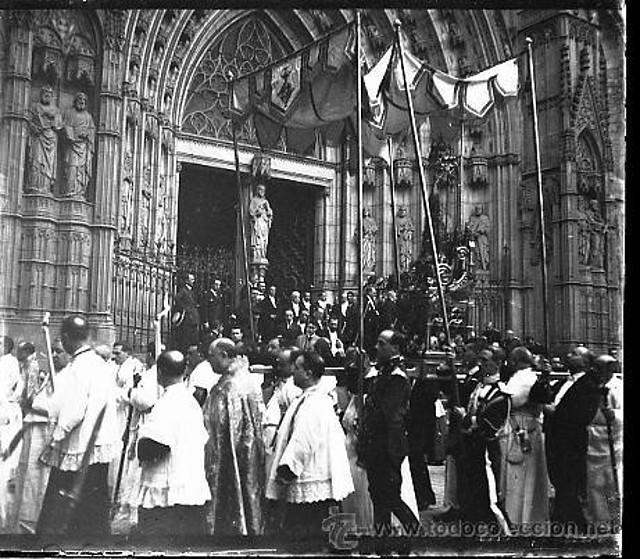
point(383, 443)
point(173, 485)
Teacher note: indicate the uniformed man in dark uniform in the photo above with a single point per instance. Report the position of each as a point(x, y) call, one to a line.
point(383, 442)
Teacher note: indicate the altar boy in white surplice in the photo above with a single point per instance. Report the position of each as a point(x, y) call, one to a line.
point(310, 469)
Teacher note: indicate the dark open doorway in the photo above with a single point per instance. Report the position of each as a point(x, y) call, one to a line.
point(206, 207)
point(207, 214)
point(290, 251)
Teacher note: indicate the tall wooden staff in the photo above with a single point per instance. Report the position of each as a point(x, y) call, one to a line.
point(427, 209)
point(543, 237)
point(392, 185)
point(360, 205)
point(243, 235)
point(47, 340)
point(157, 325)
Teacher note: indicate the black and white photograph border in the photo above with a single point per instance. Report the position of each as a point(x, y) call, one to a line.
point(391, 234)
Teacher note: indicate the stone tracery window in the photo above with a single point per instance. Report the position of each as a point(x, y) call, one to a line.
point(246, 47)
point(589, 167)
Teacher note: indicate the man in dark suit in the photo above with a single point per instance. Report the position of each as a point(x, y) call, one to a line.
point(308, 340)
point(306, 301)
point(566, 420)
point(268, 314)
point(492, 333)
point(371, 320)
point(383, 443)
point(389, 310)
point(212, 308)
point(185, 318)
point(344, 311)
point(295, 304)
point(319, 318)
point(289, 330)
point(421, 424)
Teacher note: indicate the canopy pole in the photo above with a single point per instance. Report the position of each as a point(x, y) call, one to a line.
point(427, 211)
point(392, 185)
point(543, 236)
point(423, 185)
point(243, 234)
point(360, 207)
point(460, 176)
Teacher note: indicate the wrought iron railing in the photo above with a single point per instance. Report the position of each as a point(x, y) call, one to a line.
point(144, 279)
point(487, 305)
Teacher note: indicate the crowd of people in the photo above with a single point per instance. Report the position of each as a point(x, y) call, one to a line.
point(193, 442)
point(199, 316)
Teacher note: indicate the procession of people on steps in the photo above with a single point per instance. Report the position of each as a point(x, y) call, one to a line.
point(192, 439)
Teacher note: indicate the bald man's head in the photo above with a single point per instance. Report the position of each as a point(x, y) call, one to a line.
point(580, 358)
point(171, 365)
point(74, 332)
point(605, 366)
point(221, 353)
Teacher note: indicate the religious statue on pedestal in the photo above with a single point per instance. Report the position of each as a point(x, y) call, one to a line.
point(369, 242)
point(597, 230)
point(592, 229)
point(45, 121)
point(406, 229)
point(80, 138)
point(478, 226)
point(583, 231)
point(261, 217)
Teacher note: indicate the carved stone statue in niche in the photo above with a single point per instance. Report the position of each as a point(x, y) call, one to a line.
point(126, 209)
point(597, 231)
point(478, 226)
point(583, 232)
point(370, 240)
point(405, 228)
point(80, 142)
point(261, 217)
point(160, 214)
point(45, 121)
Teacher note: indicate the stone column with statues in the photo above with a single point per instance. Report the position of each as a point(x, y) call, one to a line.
point(106, 195)
point(16, 84)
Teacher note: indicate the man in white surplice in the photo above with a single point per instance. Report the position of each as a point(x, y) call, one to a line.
point(310, 467)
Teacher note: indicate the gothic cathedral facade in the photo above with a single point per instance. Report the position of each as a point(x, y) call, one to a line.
point(116, 143)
